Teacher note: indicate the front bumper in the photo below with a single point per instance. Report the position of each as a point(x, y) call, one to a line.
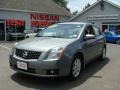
point(41, 68)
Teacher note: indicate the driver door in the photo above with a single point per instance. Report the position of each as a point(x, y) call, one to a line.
point(90, 46)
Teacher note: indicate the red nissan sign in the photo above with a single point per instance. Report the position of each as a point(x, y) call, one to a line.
point(44, 17)
point(40, 23)
point(11, 22)
point(44, 20)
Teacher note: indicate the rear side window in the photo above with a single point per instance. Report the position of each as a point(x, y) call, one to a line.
point(97, 31)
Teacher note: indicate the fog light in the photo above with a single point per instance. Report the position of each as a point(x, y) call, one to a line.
point(52, 72)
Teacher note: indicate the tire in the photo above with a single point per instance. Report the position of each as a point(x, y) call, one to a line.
point(103, 56)
point(8, 38)
point(76, 68)
point(27, 37)
point(118, 41)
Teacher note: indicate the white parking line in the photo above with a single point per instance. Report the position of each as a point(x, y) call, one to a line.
point(5, 47)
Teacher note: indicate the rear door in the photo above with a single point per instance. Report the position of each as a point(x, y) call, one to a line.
point(100, 40)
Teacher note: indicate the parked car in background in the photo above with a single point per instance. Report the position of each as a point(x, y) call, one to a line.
point(15, 36)
point(32, 33)
point(112, 37)
point(62, 49)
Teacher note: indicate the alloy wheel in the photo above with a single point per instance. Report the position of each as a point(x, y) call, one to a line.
point(76, 68)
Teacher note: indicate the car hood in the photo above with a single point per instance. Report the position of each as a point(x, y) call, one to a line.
point(43, 43)
point(31, 34)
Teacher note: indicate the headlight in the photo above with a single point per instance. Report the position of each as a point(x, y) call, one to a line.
point(56, 53)
point(12, 51)
point(16, 43)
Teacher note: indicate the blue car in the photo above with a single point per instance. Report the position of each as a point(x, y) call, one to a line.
point(112, 37)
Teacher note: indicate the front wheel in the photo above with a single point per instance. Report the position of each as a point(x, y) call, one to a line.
point(75, 68)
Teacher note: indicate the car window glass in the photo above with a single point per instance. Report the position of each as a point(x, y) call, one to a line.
point(108, 33)
point(35, 31)
point(62, 31)
point(97, 31)
point(89, 30)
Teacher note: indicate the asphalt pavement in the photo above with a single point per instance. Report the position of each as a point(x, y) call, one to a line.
point(98, 75)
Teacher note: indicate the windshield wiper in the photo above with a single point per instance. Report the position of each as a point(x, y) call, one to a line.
point(51, 36)
point(55, 36)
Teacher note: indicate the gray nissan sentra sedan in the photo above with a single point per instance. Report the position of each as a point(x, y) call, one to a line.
point(62, 49)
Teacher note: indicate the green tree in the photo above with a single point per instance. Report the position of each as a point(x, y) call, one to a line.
point(62, 3)
point(87, 6)
point(75, 13)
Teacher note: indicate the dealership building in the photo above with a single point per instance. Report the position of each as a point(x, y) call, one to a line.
point(20, 15)
point(103, 13)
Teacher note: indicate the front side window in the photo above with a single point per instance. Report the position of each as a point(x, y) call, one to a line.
point(97, 31)
point(89, 30)
point(61, 31)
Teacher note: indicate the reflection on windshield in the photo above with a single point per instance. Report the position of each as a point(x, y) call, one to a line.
point(62, 31)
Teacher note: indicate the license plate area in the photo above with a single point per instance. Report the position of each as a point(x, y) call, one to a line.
point(22, 65)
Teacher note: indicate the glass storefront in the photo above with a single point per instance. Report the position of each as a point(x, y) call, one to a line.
point(11, 27)
point(2, 30)
point(15, 29)
point(111, 27)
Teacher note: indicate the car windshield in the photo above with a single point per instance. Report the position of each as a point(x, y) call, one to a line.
point(61, 31)
point(117, 32)
point(109, 33)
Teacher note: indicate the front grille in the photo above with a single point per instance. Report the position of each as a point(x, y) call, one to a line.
point(26, 54)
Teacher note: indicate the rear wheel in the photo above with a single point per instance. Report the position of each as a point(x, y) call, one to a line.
point(75, 68)
point(103, 56)
point(118, 41)
point(27, 37)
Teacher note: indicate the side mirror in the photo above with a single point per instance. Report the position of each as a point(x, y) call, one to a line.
point(89, 36)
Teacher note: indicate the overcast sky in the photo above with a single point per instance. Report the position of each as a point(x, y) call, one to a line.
point(80, 4)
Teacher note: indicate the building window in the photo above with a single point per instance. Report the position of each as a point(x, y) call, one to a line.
point(104, 28)
point(15, 26)
point(111, 27)
point(2, 30)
